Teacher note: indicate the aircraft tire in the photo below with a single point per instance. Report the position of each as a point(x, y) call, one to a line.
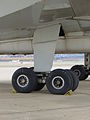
point(75, 80)
point(39, 86)
point(69, 73)
point(24, 80)
point(58, 82)
point(80, 72)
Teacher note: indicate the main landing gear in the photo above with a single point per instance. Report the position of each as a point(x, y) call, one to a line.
point(58, 81)
point(81, 71)
point(25, 80)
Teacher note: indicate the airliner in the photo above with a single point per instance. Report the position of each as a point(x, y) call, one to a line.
point(45, 28)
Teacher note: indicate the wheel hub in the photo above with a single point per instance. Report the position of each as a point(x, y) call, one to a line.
point(58, 82)
point(77, 72)
point(22, 81)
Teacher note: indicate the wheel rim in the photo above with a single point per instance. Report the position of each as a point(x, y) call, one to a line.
point(22, 81)
point(58, 82)
point(77, 72)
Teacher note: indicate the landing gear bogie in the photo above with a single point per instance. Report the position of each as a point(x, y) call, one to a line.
point(58, 81)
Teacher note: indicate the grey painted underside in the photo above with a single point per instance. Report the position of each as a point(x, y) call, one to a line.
point(23, 22)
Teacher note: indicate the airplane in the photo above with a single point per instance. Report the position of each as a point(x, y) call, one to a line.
point(43, 28)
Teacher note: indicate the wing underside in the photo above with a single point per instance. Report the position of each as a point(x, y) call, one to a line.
point(20, 20)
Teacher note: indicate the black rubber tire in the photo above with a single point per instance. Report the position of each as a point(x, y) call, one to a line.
point(39, 86)
point(82, 72)
point(67, 82)
point(31, 68)
point(68, 72)
point(30, 75)
point(75, 80)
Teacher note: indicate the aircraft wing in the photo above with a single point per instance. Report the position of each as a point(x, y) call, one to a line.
point(19, 19)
